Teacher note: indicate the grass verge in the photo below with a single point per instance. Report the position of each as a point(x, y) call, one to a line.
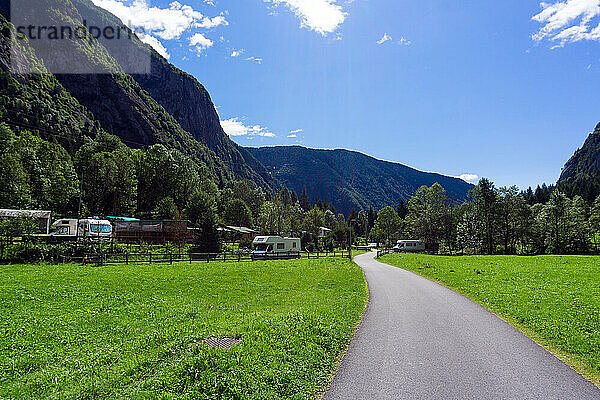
point(74, 331)
point(555, 300)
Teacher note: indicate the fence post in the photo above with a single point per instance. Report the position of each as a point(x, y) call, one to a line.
point(171, 258)
point(150, 258)
point(127, 258)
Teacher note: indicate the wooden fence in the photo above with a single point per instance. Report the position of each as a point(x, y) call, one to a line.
point(175, 257)
point(384, 252)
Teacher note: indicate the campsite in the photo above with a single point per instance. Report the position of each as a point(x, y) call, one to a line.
point(299, 200)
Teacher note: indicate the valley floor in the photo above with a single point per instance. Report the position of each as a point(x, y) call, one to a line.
point(72, 331)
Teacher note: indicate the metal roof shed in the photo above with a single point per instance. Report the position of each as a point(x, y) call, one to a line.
point(43, 216)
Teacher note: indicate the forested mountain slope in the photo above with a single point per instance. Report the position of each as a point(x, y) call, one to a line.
point(186, 99)
point(124, 105)
point(581, 174)
point(350, 179)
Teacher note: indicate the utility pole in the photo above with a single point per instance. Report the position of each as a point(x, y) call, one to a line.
point(80, 203)
point(350, 244)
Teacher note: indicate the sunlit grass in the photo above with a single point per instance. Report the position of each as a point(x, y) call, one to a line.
point(74, 331)
point(555, 299)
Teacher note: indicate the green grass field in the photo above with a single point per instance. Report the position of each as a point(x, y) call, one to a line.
point(72, 331)
point(553, 299)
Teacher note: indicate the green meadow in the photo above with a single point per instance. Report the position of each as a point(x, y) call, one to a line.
point(79, 332)
point(553, 299)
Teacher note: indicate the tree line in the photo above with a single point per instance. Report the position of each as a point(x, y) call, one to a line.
point(106, 177)
point(494, 221)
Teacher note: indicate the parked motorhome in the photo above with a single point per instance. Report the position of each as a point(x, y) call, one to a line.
point(276, 247)
point(409, 246)
point(88, 228)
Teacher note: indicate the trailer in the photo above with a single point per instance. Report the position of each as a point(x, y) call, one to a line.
point(267, 247)
point(73, 229)
point(409, 246)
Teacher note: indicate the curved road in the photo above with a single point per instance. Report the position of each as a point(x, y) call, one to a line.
point(419, 340)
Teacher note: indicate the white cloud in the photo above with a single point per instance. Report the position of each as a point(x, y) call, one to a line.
point(160, 23)
point(255, 59)
point(237, 53)
point(404, 41)
point(385, 38)
point(322, 16)
point(292, 136)
point(296, 131)
point(468, 177)
point(235, 127)
point(568, 21)
point(156, 45)
point(200, 43)
point(388, 38)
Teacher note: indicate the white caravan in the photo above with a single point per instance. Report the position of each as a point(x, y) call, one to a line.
point(276, 247)
point(72, 228)
point(409, 246)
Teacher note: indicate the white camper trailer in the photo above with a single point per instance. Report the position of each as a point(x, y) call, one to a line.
point(409, 246)
point(275, 247)
point(73, 229)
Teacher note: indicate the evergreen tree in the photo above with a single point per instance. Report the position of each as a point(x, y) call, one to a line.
point(371, 217)
point(485, 199)
point(304, 202)
point(402, 209)
point(201, 211)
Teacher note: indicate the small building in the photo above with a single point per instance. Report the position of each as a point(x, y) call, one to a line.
point(239, 232)
point(156, 232)
point(42, 218)
point(323, 231)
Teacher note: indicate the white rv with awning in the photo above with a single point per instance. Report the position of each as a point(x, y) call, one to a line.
point(276, 247)
point(88, 228)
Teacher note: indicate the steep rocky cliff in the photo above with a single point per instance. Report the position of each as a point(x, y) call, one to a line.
point(585, 160)
point(182, 97)
point(581, 174)
point(166, 106)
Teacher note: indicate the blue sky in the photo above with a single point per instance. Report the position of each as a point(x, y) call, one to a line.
point(507, 90)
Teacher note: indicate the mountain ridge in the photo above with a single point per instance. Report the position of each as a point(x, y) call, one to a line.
point(581, 173)
point(350, 179)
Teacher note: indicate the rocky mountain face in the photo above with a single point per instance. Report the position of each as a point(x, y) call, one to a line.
point(581, 174)
point(350, 179)
point(586, 160)
point(166, 106)
point(186, 100)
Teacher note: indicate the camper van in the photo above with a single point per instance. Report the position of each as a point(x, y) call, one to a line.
point(275, 247)
point(73, 229)
point(409, 246)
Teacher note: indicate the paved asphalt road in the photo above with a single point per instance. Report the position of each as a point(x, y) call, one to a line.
point(419, 340)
